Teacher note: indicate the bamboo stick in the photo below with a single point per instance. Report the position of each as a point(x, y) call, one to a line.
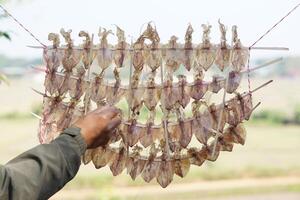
point(160, 86)
point(220, 119)
point(262, 65)
point(129, 85)
point(271, 48)
point(166, 135)
point(263, 85)
point(87, 96)
point(131, 49)
point(35, 115)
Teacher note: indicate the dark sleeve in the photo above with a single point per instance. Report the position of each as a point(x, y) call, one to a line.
point(42, 171)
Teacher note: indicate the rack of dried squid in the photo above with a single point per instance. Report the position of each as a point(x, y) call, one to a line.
point(170, 121)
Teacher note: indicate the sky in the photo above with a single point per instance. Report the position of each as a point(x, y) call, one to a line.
point(171, 17)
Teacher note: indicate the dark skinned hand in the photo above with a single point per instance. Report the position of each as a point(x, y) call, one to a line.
point(99, 125)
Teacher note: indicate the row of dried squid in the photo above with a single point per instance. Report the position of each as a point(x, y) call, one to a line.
point(203, 125)
point(141, 53)
point(160, 165)
point(149, 93)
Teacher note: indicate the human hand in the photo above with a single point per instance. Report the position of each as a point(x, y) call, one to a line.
point(99, 125)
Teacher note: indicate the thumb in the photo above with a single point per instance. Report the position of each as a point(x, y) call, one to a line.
point(108, 133)
point(109, 112)
point(113, 124)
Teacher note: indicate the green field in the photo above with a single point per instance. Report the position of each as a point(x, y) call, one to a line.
point(270, 151)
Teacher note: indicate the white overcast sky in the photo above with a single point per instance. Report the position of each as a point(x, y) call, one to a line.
point(171, 17)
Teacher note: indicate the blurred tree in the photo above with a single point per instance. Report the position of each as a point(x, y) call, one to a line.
point(4, 34)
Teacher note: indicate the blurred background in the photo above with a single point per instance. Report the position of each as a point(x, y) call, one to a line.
point(267, 167)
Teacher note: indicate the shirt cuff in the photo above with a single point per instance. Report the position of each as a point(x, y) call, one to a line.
point(75, 133)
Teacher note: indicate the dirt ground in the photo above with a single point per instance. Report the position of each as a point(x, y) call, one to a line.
point(218, 190)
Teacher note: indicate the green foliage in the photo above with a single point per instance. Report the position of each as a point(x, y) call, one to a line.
point(4, 79)
point(5, 35)
point(278, 117)
point(19, 62)
point(272, 116)
point(37, 108)
point(296, 115)
point(14, 115)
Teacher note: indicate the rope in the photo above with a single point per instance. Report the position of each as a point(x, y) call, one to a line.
point(261, 37)
point(248, 73)
point(269, 30)
point(41, 135)
point(20, 24)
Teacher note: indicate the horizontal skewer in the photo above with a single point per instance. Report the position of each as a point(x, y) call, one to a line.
point(271, 48)
point(256, 106)
point(263, 85)
point(35, 115)
point(38, 92)
point(131, 49)
point(156, 126)
point(159, 86)
point(262, 65)
point(185, 156)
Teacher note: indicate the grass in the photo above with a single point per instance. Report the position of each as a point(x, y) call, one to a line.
point(17, 135)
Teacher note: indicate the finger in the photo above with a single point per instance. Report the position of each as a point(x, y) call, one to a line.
point(108, 132)
point(98, 110)
point(110, 112)
point(100, 142)
point(114, 123)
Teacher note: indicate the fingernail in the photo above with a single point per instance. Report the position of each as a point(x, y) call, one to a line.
point(113, 124)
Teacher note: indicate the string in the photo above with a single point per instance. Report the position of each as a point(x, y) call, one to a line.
point(248, 72)
point(269, 30)
point(41, 135)
point(20, 24)
point(260, 38)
